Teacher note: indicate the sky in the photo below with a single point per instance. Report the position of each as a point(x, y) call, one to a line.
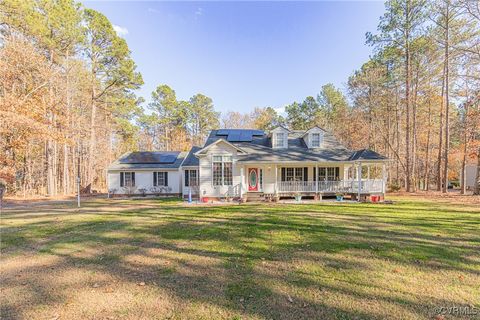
point(244, 54)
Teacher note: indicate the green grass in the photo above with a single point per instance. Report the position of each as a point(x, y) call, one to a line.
point(328, 260)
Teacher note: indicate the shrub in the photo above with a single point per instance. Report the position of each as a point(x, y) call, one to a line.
point(394, 187)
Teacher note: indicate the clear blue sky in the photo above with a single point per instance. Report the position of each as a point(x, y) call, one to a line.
point(244, 54)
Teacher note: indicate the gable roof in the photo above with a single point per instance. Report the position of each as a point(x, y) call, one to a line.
point(217, 141)
point(149, 160)
point(191, 159)
point(314, 127)
point(280, 127)
point(366, 154)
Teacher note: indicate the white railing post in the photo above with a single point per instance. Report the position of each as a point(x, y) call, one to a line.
point(276, 181)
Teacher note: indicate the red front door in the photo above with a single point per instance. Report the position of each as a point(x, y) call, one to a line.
point(253, 179)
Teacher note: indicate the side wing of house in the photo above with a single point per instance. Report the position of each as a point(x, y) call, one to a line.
point(146, 173)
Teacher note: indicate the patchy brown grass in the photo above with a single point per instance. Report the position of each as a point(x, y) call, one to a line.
point(150, 259)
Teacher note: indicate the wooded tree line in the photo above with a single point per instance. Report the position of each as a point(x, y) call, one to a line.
point(68, 102)
point(67, 95)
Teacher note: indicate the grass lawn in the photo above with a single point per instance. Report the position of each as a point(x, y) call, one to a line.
point(154, 259)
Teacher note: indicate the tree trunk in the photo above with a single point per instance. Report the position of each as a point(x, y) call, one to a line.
point(66, 173)
point(426, 181)
point(440, 137)
point(407, 110)
point(397, 135)
point(447, 105)
point(414, 124)
point(463, 181)
point(91, 147)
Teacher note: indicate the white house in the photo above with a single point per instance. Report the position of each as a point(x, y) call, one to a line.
point(241, 163)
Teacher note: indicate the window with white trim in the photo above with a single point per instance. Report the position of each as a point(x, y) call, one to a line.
point(328, 173)
point(279, 141)
point(293, 174)
point(160, 179)
point(127, 179)
point(222, 171)
point(315, 143)
point(191, 178)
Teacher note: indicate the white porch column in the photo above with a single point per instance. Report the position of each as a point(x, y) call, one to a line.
point(316, 177)
point(359, 177)
point(384, 177)
point(368, 171)
point(276, 179)
point(241, 181)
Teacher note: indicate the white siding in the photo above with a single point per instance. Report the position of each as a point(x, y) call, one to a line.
point(185, 189)
point(285, 133)
point(144, 180)
point(308, 136)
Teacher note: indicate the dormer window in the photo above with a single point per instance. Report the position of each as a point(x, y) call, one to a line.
point(279, 141)
point(315, 140)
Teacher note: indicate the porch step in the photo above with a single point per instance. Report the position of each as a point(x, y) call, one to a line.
point(254, 196)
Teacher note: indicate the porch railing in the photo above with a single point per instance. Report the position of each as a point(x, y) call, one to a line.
point(296, 186)
point(366, 186)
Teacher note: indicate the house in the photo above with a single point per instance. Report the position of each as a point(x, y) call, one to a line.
point(239, 163)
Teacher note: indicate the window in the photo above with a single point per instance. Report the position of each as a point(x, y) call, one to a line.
point(191, 178)
point(294, 174)
point(315, 140)
point(160, 179)
point(279, 141)
point(290, 174)
point(261, 178)
point(127, 179)
point(222, 171)
point(328, 173)
point(298, 174)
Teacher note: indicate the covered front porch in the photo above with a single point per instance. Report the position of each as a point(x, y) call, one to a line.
point(312, 179)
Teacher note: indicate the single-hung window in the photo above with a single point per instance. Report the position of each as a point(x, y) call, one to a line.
point(279, 140)
point(160, 179)
point(222, 171)
point(315, 140)
point(191, 178)
point(127, 179)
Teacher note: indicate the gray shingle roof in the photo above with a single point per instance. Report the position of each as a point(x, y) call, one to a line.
point(191, 159)
point(149, 160)
point(366, 154)
point(260, 149)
